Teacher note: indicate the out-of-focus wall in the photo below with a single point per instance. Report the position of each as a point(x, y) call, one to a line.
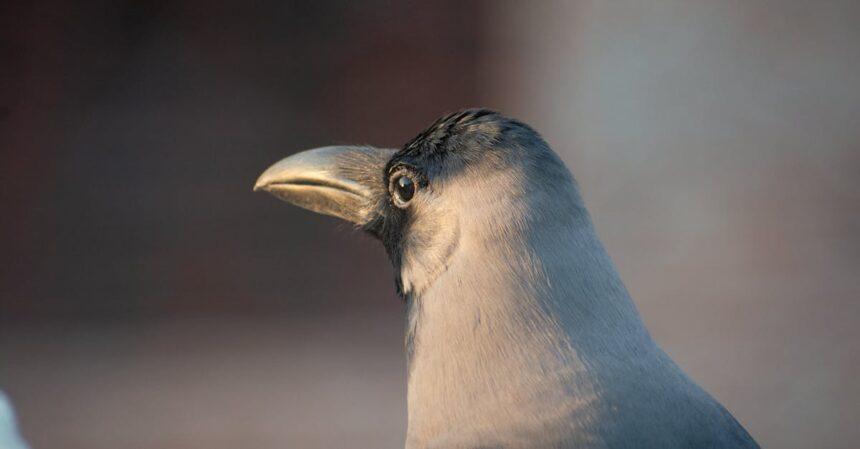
point(149, 299)
point(133, 131)
point(718, 148)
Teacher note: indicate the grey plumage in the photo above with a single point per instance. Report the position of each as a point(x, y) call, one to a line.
point(9, 436)
point(520, 333)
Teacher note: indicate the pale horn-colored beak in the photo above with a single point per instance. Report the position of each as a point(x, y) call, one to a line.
point(342, 181)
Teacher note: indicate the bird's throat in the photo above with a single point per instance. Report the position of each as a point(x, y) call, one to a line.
point(507, 325)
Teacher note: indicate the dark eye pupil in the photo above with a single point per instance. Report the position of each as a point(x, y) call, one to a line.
point(405, 188)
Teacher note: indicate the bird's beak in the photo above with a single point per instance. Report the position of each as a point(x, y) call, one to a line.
point(342, 181)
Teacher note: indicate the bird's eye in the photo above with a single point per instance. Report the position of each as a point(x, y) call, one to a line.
point(403, 189)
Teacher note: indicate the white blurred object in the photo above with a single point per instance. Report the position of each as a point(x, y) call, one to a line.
point(9, 437)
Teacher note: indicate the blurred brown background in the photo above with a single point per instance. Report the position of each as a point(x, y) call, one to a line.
point(149, 300)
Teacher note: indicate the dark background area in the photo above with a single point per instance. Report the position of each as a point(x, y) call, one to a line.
point(149, 299)
point(136, 130)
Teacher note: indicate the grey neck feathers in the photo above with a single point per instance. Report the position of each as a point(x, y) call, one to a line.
point(519, 314)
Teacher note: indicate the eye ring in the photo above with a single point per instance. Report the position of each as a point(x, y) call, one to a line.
point(402, 188)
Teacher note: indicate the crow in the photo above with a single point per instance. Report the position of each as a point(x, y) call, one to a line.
point(519, 331)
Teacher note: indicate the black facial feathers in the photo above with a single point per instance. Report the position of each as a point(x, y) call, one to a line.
point(433, 139)
point(468, 132)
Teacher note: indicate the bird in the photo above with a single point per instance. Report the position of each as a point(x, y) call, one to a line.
point(519, 332)
point(10, 438)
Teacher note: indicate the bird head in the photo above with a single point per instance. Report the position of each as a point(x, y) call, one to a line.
point(471, 178)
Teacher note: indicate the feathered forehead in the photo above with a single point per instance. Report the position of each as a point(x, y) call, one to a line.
point(434, 138)
point(464, 132)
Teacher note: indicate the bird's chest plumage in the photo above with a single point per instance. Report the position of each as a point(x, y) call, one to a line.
point(486, 366)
